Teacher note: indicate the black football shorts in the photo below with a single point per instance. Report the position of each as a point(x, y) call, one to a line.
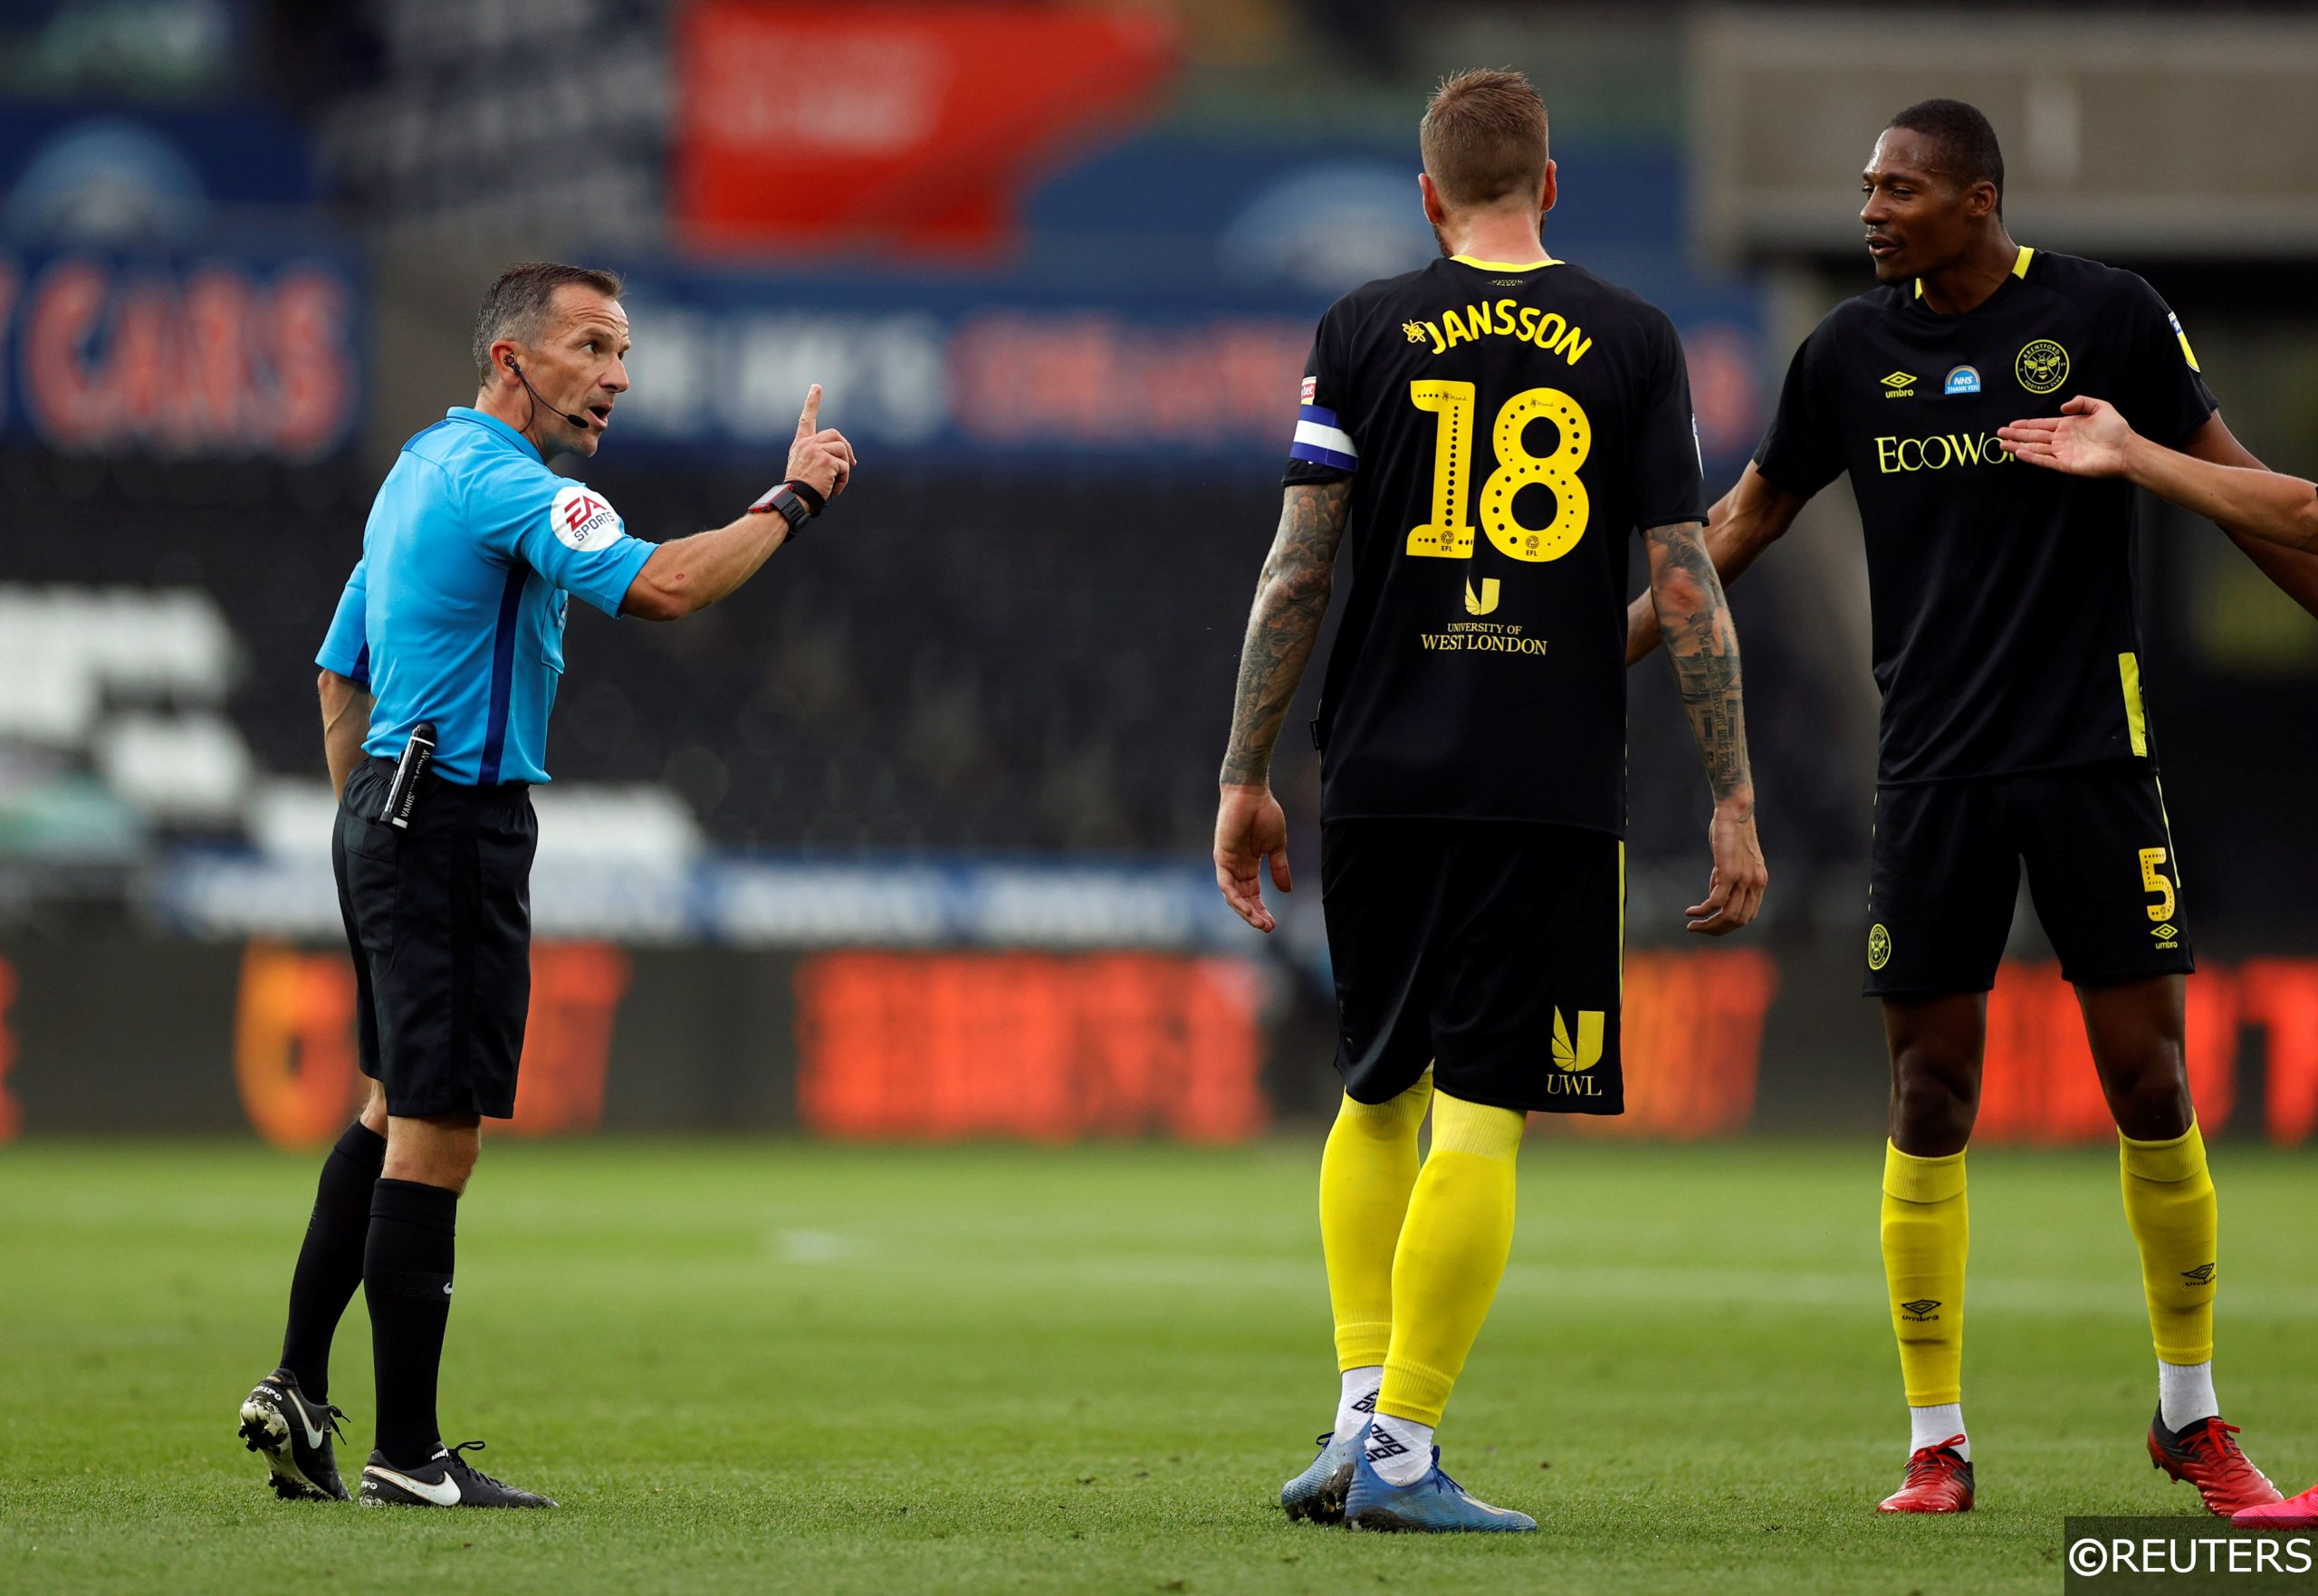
point(1947, 870)
point(1491, 950)
point(438, 918)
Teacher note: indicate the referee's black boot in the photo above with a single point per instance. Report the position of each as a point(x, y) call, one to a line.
point(293, 1432)
point(444, 1480)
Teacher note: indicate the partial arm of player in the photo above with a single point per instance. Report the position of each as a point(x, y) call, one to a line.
point(2273, 518)
point(1752, 516)
point(1687, 602)
point(692, 573)
point(2293, 571)
point(2090, 438)
point(345, 722)
point(1291, 597)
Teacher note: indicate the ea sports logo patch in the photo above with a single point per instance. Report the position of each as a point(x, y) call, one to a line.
point(582, 519)
point(2042, 366)
point(1878, 949)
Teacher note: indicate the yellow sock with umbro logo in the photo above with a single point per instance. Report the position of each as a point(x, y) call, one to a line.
point(1926, 1232)
point(2176, 1222)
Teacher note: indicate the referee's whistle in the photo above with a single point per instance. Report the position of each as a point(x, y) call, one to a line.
point(402, 792)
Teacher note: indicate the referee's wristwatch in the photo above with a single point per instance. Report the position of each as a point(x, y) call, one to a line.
point(795, 503)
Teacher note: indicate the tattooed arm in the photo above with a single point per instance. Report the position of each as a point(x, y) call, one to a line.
point(1291, 596)
point(1752, 516)
point(1687, 602)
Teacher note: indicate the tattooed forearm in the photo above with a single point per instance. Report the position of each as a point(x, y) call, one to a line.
point(1700, 640)
point(1290, 598)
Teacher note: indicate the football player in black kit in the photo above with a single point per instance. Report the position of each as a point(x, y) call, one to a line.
point(2012, 734)
point(1485, 435)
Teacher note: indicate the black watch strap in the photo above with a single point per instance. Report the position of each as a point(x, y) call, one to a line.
point(790, 502)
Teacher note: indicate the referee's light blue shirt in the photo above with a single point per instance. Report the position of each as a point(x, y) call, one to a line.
point(455, 613)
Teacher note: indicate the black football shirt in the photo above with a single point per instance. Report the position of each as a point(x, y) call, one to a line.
point(1507, 429)
point(2001, 594)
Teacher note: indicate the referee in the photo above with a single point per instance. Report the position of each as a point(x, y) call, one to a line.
point(438, 676)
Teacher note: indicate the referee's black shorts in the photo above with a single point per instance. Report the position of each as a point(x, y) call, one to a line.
point(438, 918)
point(1492, 951)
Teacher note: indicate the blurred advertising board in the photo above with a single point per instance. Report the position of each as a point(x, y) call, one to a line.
point(761, 901)
point(908, 127)
point(950, 370)
point(1043, 1045)
point(1022, 368)
point(234, 354)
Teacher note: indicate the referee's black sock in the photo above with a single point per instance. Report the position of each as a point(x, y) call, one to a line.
point(329, 1261)
point(407, 1280)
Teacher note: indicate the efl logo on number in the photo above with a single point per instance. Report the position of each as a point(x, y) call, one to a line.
point(582, 519)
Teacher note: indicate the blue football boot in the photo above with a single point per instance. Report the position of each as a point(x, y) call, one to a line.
point(1435, 1503)
point(1317, 1493)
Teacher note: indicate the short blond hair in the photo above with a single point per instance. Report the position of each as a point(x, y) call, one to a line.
point(1484, 138)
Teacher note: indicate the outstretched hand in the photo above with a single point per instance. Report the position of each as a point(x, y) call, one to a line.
point(820, 458)
point(2087, 439)
point(1250, 828)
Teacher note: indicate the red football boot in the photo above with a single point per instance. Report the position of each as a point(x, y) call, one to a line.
point(1938, 1480)
point(2204, 1454)
point(2297, 1512)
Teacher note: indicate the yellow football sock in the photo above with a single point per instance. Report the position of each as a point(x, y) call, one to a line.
point(1926, 1233)
point(1367, 1172)
point(2169, 1204)
point(1451, 1256)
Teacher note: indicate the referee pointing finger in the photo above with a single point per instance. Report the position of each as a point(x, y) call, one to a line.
point(437, 677)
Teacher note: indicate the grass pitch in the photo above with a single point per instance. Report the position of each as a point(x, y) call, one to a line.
point(750, 1366)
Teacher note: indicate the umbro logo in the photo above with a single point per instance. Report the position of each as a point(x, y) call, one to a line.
point(1383, 1443)
point(1366, 1404)
point(1921, 1310)
point(2165, 933)
point(2200, 1276)
point(1897, 385)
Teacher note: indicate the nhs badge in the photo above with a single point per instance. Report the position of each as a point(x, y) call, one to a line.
point(1964, 379)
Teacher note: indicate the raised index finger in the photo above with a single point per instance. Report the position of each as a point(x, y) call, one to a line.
point(808, 420)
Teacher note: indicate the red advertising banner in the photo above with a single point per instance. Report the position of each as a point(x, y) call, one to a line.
point(1693, 1040)
point(2038, 1083)
point(938, 1046)
point(804, 127)
point(294, 1060)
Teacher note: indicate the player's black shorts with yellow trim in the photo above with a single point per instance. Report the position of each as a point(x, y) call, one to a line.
point(438, 918)
point(1947, 870)
point(1490, 950)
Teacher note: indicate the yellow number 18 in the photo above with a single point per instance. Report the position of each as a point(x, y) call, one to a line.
point(1449, 535)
